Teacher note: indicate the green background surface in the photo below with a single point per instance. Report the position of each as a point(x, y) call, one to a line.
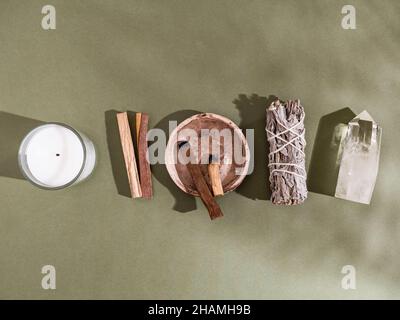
point(164, 56)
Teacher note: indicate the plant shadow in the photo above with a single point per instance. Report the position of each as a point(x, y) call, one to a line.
point(13, 129)
point(183, 201)
point(252, 114)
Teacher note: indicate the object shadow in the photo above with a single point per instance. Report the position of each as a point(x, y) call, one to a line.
point(324, 165)
point(183, 201)
point(252, 114)
point(13, 129)
point(115, 150)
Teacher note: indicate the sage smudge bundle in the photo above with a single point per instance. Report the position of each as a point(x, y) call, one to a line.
point(285, 133)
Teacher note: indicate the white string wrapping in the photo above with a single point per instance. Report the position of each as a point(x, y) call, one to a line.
point(285, 133)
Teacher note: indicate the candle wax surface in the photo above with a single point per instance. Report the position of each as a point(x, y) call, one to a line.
point(54, 155)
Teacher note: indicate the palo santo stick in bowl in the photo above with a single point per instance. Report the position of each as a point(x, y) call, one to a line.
point(215, 176)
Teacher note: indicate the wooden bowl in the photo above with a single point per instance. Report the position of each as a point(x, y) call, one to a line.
point(234, 155)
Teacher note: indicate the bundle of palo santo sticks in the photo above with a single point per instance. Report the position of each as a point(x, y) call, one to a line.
point(140, 182)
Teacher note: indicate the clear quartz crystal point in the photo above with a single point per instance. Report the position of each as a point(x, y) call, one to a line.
point(359, 159)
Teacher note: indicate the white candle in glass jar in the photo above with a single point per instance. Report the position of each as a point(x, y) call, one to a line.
point(55, 156)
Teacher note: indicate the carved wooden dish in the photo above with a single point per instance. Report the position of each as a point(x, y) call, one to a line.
point(234, 153)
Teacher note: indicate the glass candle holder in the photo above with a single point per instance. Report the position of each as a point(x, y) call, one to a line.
point(54, 156)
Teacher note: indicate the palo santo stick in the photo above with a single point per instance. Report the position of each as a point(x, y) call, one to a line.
point(215, 177)
point(129, 154)
point(205, 194)
point(144, 165)
point(138, 120)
